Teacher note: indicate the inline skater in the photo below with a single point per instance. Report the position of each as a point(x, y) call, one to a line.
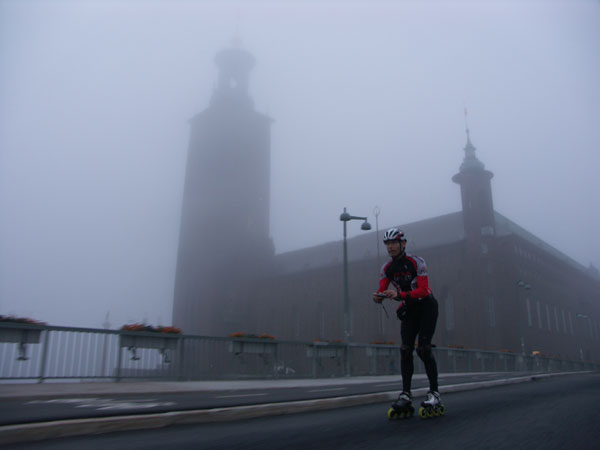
point(418, 311)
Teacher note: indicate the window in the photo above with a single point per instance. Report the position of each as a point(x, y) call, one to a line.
point(296, 321)
point(548, 317)
point(449, 313)
point(564, 321)
point(539, 313)
point(556, 319)
point(571, 324)
point(321, 313)
point(528, 304)
point(487, 231)
point(491, 311)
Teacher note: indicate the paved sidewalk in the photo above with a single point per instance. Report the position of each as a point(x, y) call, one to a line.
point(73, 388)
point(66, 389)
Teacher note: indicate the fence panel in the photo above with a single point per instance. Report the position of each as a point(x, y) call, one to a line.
point(60, 353)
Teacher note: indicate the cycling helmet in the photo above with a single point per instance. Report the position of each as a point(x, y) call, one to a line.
point(393, 234)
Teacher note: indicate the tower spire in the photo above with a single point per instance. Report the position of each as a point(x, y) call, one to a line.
point(476, 193)
point(470, 161)
point(467, 128)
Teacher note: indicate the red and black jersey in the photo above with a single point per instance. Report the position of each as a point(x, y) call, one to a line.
point(408, 275)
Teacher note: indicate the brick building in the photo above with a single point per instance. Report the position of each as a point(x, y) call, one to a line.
point(499, 287)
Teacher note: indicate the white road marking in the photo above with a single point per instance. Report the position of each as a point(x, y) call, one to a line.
point(241, 395)
point(327, 390)
point(387, 384)
point(103, 404)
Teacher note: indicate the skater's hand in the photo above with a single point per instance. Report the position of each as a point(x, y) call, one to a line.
point(390, 293)
point(378, 297)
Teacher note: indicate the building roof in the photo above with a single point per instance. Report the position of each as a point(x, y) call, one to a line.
point(428, 233)
point(422, 235)
point(505, 227)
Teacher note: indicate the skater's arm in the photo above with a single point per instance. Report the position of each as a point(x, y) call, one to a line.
point(421, 290)
point(383, 292)
point(383, 284)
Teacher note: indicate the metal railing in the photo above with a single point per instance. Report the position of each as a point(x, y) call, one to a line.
point(43, 353)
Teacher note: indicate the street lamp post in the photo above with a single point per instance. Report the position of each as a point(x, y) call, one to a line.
point(376, 212)
point(345, 217)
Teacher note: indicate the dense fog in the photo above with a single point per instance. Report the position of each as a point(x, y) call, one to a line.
point(369, 101)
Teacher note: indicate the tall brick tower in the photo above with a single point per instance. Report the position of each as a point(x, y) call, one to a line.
point(476, 193)
point(224, 240)
point(476, 279)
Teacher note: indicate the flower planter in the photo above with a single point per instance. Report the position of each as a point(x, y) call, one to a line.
point(159, 342)
point(20, 335)
point(380, 351)
point(324, 351)
point(238, 347)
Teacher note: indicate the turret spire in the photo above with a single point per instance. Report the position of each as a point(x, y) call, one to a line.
point(470, 161)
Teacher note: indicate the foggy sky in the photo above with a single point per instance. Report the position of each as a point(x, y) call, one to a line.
point(368, 99)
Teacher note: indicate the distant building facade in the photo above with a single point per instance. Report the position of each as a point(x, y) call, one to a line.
point(499, 287)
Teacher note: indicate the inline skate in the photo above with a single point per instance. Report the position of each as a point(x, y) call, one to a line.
point(432, 406)
point(402, 408)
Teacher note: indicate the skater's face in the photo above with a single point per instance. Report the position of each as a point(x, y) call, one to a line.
point(395, 248)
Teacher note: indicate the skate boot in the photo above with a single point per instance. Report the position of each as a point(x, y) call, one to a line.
point(432, 407)
point(402, 408)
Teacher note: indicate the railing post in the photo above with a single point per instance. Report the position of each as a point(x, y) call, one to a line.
point(44, 356)
point(180, 351)
point(104, 350)
point(275, 358)
point(119, 357)
point(347, 359)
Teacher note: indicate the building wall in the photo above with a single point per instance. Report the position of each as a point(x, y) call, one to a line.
point(481, 306)
point(559, 314)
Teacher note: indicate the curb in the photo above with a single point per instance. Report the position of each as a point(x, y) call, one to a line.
point(11, 434)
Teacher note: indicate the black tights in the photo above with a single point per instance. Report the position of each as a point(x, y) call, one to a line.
point(420, 320)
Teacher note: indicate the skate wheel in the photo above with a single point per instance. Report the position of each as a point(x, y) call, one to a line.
point(422, 413)
point(392, 414)
point(442, 410)
point(436, 412)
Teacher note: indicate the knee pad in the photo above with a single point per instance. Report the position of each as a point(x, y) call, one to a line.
point(406, 352)
point(425, 352)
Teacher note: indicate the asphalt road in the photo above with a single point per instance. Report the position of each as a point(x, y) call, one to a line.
point(551, 413)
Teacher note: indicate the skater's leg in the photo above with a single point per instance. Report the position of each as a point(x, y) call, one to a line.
point(425, 353)
point(408, 331)
point(428, 322)
point(407, 367)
